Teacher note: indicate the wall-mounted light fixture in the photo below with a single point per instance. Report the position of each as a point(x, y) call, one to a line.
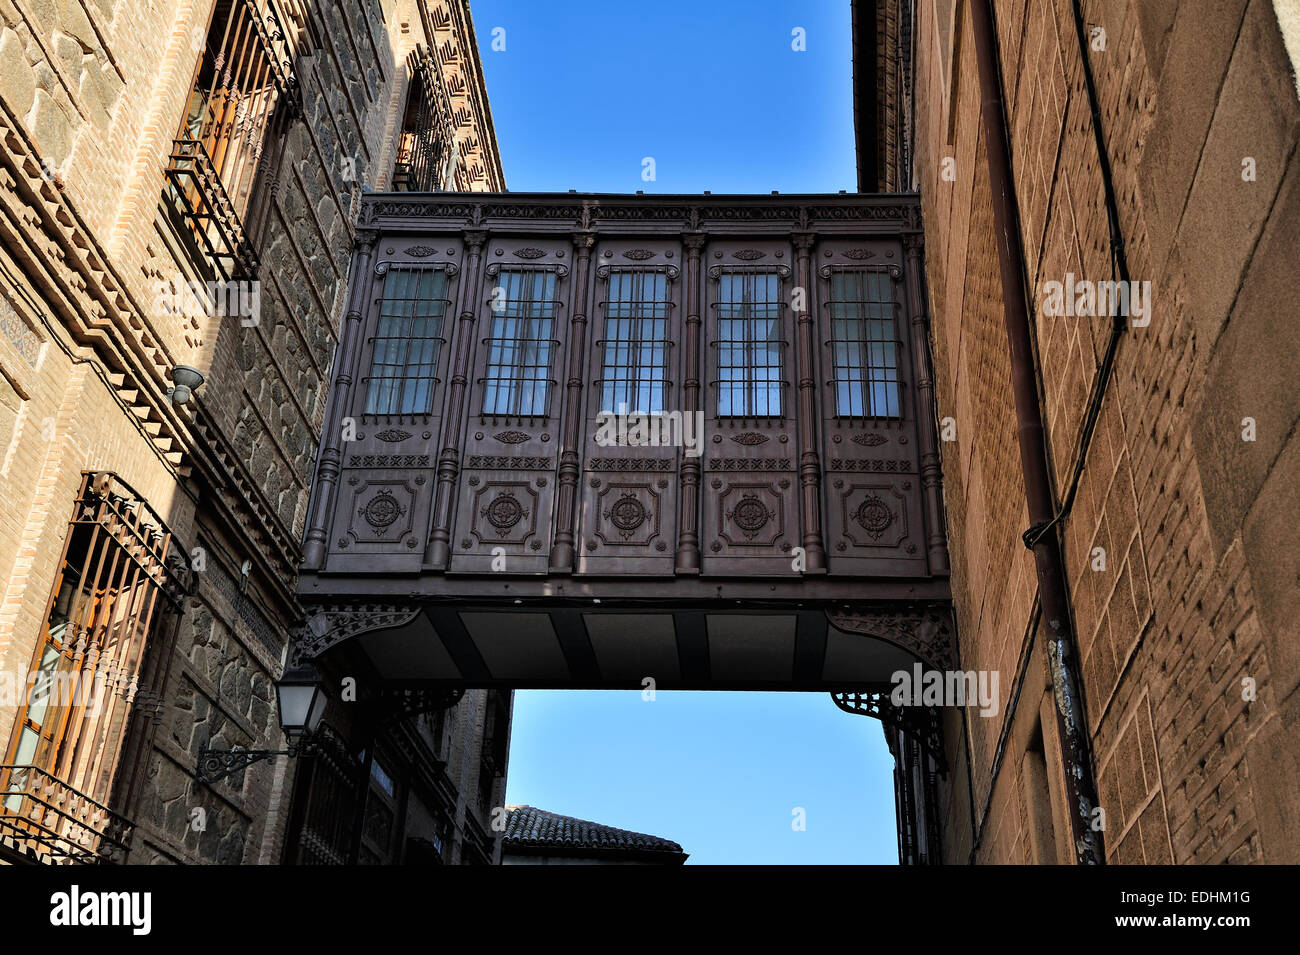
point(186, 381)
point(301, 696)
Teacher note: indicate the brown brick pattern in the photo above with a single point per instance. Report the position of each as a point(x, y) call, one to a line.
point(1199, 586)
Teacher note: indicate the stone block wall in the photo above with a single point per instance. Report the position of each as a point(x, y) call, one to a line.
point(1187, 631)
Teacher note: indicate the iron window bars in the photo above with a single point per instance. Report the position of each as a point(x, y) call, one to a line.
point(521, 344)
point(635, 347)
point(239, 104)
point(407, 341)
point(750, 344)
point(328, 793)
point(97, 672)
point(864, 344)
point(423, 150)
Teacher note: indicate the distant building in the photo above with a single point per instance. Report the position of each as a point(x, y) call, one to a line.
point(537, 837)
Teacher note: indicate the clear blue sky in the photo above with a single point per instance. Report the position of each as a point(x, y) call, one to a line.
point(713, 91)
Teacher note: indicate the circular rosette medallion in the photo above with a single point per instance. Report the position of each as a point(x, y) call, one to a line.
point(504, 512)
point(382, 510)
point(626, 514)
point(873, 516)
point(750, 515)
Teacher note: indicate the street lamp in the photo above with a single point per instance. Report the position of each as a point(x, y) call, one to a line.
point(302, 701)
point(301, 696)
point(186, 381)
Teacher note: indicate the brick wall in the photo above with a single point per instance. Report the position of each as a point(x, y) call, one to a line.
point(91, 96)
point(1198, 591)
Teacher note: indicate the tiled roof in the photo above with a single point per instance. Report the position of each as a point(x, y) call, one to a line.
point(536, 828)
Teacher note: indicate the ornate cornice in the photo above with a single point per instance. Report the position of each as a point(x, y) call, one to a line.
point(895, 271)
point(670, 271)
point(801, 213)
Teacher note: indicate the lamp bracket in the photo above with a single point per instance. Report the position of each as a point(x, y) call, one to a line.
point(216, 764)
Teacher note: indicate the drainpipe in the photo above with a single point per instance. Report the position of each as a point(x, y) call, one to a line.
point(1080, 786)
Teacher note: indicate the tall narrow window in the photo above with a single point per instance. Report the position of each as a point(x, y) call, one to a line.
point(749, 345)
point(517, 382)
point(408, 338)
point(634, 370)
point(424, 145)
point(328, 793)
point(233, 114)
point(100, 663)
point(864, 344)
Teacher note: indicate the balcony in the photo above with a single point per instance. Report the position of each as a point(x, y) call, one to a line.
point(481, 517)
point(202, 200)
point(45, 821)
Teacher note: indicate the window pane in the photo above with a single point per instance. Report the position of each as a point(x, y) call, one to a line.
point(517, 382)
point(635, 365)
point(407, 339)
point(864, 348)
point(749, 345)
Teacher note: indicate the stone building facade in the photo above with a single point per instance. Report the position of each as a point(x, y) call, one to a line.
point(1180, 564)
point(178, 188)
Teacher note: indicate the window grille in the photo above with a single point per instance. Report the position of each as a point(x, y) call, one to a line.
point(635, 348)
point(99, 668)
point(408, 339)
point(329, 790)
point(520, 348)
point(234, 119)
point(864, 344)
point(424, 147)
point(750, 345)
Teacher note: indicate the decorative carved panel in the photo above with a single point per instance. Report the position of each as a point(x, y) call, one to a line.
point(628, 493)
point(871, 483)
point(628, 514)
point(381, 520)
point(872, 515)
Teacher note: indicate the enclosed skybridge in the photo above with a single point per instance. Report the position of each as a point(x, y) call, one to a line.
point(581, 441)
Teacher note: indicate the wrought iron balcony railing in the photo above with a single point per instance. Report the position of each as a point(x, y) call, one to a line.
point(204, 202)
point(45, 821)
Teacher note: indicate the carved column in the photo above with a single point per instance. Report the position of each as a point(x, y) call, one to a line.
point(931, 472)
point(331, 449)
point(566, 492)
point(810, 473)
point(439, 551)
point(688, 536)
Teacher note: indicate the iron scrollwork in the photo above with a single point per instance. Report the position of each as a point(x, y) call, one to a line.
point(919, 722)
point(332, 624)
point(216, 764)
point(395, 703)
point(923, 629)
